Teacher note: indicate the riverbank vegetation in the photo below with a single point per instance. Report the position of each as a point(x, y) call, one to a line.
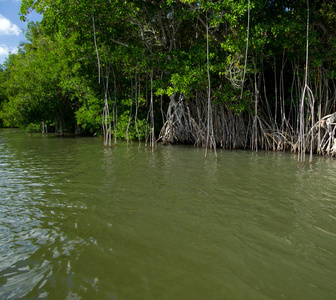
point(231, 74)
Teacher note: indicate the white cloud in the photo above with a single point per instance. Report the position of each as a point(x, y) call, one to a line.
point(4, 50)
point(7, 27)
point(14, 50)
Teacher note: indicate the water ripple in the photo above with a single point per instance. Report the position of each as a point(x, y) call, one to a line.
point(79, 222)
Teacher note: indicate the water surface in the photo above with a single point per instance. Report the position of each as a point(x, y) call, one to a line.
point(78, 221)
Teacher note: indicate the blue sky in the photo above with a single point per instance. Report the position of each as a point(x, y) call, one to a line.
point(11, 27)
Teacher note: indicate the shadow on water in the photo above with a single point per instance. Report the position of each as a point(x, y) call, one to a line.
point(82, 222)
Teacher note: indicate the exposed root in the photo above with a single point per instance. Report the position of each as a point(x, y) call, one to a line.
point(187, 124)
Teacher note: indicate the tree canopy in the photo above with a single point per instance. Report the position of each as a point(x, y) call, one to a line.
point(152, 67)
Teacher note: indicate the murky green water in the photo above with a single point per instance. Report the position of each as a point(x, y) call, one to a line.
point(78, 221)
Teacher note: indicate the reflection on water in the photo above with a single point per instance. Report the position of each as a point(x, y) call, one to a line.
point(78, 221)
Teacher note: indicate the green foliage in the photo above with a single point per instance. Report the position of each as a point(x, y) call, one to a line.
point(123, 120)
point(89, 116)
point(231, 98)
point(33, 128)
point(55, 74)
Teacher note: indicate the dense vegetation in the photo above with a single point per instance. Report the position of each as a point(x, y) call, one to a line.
point(235, 74)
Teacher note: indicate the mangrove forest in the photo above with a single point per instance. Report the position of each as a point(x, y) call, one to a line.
point(247, 74)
